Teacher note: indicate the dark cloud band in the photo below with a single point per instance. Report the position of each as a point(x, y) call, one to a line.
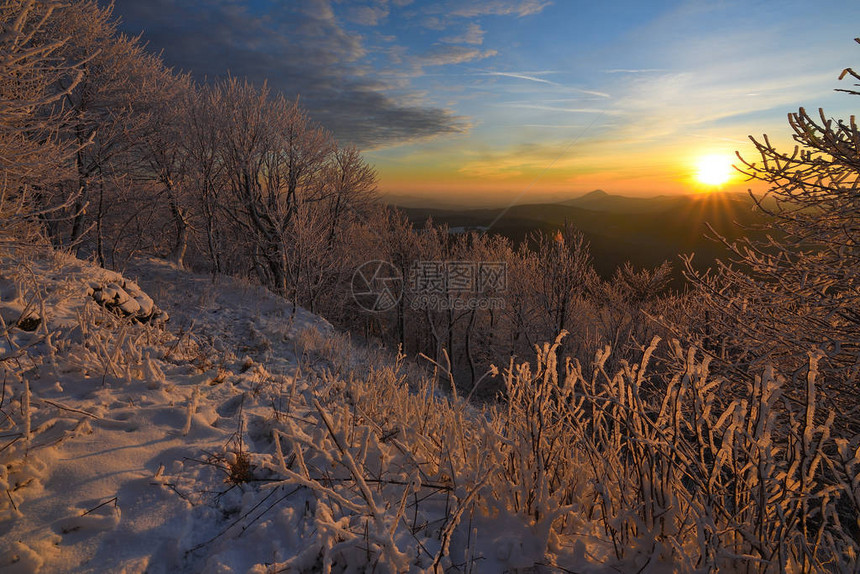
point(300, 48)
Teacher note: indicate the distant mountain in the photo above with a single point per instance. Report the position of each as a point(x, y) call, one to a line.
point(596, 195)
point(644, 231)
point(599, 200)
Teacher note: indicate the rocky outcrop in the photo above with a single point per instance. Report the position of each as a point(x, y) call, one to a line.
point(126, 299)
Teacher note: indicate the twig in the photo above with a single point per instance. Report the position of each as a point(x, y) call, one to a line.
point(554, 567)
point(244, 528)
point(172, 487)
point(114, 500)
point(448, 531)
point(3, 392)
point(9, 494)
point(13, 441)
point(70, 409)
point(182, 333)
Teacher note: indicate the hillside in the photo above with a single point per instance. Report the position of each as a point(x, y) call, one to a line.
point(246, 435)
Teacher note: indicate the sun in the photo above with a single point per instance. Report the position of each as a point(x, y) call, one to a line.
point(714, 169)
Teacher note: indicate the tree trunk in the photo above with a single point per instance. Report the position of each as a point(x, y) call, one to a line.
point(211, 239)
point(180, 219)
point(469, 354)
point(79, 218)
point(99, 232)
point(80, 212)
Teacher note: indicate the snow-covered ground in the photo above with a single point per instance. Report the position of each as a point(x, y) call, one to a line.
point(242, 435)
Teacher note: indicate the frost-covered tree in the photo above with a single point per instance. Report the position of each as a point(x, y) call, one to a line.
point(109, 108)
point(800, 289)
point(562, 271)
point(621, 308)
point(201, 141)
point(31, 154)
point(321, 233)
point(288, 191)
point(349, 185)
point(271, 154)
point(166, 156)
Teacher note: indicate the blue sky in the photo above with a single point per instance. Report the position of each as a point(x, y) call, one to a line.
point(526, 97)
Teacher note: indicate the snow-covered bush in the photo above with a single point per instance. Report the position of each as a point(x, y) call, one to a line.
point(627, 469)
point(690, 471)
point(56, 329)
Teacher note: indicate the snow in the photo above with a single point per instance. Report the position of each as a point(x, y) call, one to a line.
point(247, 435)
point(244, 435)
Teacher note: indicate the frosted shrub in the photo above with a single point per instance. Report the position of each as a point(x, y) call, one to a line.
point(537, 460)
point(796, 286)
point(640, 466)
point(366, 465)
point(695, 471)
point(394, 471)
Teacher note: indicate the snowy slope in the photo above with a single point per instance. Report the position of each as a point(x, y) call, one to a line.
point(245, 435)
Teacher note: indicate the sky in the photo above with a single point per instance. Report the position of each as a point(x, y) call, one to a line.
point(472, 100)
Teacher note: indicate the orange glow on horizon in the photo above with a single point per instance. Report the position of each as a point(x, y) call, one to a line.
point(669, 170)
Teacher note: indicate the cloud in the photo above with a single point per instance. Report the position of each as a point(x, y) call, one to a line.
point(636, 71)
point(524, 159)
point(434, 23)
point(448, 55)
point(473, 35)
point(591, 93)
point(444, 14)
point(301, 49)
point(520, 77)
point(472, 8)
point(703, 67)
point(664, 105)
point(368, 15)
point(569, 110)
point(535, 77)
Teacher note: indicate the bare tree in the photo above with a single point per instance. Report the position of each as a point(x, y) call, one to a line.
point(349, 187)
point(201, 146)
point(564, 270)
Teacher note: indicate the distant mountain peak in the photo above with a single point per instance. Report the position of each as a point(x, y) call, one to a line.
point(597, 193)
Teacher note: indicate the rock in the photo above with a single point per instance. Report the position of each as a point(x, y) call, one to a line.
point(130, 307)
point(117, 293)
point(127, 299)
point(146, 304)
point(29, 323)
